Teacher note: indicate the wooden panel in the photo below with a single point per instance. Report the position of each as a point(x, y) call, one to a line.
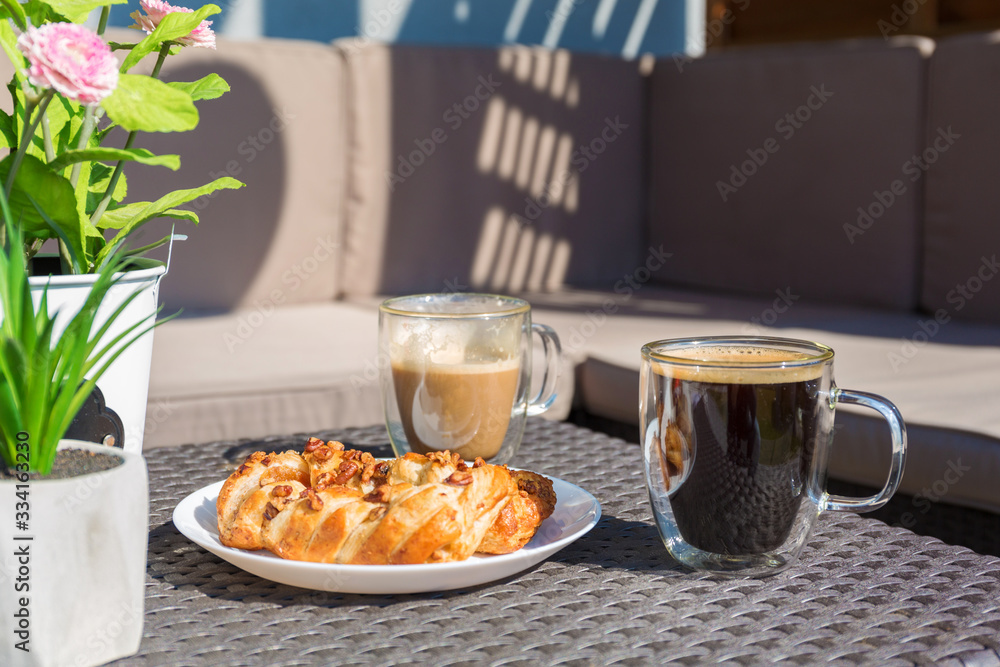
point(968, 15)
point(733, 22)
point(953, 11)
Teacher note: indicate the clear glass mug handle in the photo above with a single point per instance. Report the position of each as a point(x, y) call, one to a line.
point(897, 431)
point(553, 352)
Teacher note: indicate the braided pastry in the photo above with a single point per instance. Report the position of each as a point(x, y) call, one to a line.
point(245, 496)
point(334, 505)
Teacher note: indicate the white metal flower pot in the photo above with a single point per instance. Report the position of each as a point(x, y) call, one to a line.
point(125, 385)
point(72, 576)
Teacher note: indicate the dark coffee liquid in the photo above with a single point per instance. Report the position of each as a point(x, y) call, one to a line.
point(751, 453)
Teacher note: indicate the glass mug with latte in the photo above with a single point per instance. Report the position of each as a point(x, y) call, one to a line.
point(459, 373)
point(737, 434)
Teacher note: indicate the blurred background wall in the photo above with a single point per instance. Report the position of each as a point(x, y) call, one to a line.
point(621, 27)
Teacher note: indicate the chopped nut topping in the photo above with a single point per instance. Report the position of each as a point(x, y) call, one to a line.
point(315, 502)
point(460, 478)
point(479, 462)
point(313, 445)
point(323, 454)
point(347, 470)
point(335, 446)
point(270, 511)
point(377, 512)
point(379, 495)
point(282, 491)
point(266, 461)
point(324, 481)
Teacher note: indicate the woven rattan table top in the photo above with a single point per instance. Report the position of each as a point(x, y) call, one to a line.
point(864, 592)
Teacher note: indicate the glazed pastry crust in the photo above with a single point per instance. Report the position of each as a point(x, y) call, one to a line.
point(244, 496)
point(520, 518)
point(335, 505)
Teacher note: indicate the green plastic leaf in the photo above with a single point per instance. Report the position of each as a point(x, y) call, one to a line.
point(10, 419)
point(14, 10)
point(79, 10)
point(82, 188)
point(15, 360)
point(65, 119)
point(71, 251)
point(142, 263)
point(39, 12)
point(163, 204)
point(211, 87)
point(100, 179)
point(171, 27)
point(142, 103)
point(94, 242)
point(35, 180)
point(8, 41)
point(123, 215)
point(140, 155)
point(7, 137)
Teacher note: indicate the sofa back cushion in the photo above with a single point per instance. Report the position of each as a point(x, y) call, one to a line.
point(494, 169)
point(279, 130)
point(784, 168)
point(962, 225)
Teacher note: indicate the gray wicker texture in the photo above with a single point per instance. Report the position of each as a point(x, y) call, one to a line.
point(863, 592)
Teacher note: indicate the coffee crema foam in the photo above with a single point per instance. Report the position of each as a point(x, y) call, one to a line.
point(766, 357)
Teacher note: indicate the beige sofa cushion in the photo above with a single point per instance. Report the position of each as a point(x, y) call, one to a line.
point(295, 369)
point(279, 130)
point(251, 374)
point(762, 157)
point(961, 230)
point(491, 169)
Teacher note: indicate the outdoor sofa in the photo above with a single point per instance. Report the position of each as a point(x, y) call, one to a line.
point(843, 192)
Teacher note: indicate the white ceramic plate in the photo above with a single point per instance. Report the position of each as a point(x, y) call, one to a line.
point(576, 513)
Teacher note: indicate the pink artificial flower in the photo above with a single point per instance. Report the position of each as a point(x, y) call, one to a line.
point(70, 58)
point(202, 36)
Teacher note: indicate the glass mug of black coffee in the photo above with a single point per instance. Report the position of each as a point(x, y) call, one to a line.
point(457, 373)
point(736, 441)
